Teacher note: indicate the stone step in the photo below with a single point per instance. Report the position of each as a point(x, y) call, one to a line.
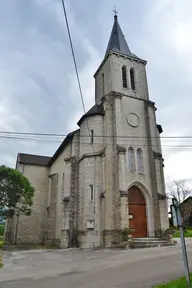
point(151, 242)
point(147, 239)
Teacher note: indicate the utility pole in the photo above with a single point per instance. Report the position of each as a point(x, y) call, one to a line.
point(177, 221)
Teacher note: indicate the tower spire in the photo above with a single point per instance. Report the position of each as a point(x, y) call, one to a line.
point(117, 42)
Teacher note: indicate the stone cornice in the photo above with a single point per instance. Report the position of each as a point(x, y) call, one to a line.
point(121, 149)
point(161, 196)
point(102, 195)
point(116, 94)
point(123, 193)
point(70, 159)
point(51, 175)
point(157, 155)
point(95, 154)
point(66, 198)
point(152, 104)
point(67, 159)
point(119, 95)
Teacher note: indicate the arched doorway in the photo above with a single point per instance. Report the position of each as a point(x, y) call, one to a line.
point(137, 212)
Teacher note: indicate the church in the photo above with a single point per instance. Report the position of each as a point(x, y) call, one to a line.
point(108, 174)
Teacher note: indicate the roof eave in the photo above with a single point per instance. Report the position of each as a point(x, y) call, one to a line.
point(88, 116)
point(65, 142)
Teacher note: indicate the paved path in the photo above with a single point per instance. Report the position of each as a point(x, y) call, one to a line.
point(92, 269)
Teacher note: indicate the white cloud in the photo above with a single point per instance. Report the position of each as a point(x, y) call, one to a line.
point(179, 166)
point(168, 49)
point(87, 82)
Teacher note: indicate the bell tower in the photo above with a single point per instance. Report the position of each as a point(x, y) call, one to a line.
point(120, 71)
point(133, 153)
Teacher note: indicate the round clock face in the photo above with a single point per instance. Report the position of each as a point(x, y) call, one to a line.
point(133, 120)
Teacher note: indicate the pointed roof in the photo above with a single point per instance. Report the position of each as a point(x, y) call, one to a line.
point(117, 42)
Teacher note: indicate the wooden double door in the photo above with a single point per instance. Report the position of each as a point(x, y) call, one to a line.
point(137, 213)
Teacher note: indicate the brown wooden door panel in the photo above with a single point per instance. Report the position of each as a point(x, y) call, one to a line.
point(137, 208)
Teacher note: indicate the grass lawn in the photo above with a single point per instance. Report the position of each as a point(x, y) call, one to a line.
point(178, 283)
point(1, 241)
point(186, 234)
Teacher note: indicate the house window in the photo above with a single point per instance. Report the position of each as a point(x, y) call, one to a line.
point(131, 159)
point(91, 192)
point(92, 135)
point(124, 76)
point(132, 78)
point(103, 84)
point(140, 165)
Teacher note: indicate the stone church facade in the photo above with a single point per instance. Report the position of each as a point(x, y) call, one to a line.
point(108, 174)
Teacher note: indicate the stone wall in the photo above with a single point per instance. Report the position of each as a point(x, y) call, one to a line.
point(66, 197)
point(31, 228)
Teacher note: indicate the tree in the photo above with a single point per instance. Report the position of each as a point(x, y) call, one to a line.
point(16, 193)
point(180, 190)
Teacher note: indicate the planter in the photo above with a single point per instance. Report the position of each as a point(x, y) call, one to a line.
point(169, 234)
point(125, 244)
point(130, 243)
point(127, 241)
point(130, 236)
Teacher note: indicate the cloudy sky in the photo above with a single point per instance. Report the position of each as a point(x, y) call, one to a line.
point(38, 88)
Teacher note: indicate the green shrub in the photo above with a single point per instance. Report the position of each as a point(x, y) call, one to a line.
point(2, 229)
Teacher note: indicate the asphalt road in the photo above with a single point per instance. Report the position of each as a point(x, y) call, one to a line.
point(139, 274)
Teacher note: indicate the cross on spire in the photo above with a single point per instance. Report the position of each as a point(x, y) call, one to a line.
point(115, 12)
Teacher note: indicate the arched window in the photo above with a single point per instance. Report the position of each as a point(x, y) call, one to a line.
point(131, 159)
point(103, 84)
point(140, 164)
point(124, 76)
point(132, 78)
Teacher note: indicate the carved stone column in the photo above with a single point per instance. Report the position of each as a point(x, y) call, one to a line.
point(122, 188)
point(124, 209)
point(121, 167)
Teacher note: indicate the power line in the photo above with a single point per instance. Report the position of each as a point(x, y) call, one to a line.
point(95, 136)
point(75, 62)
point(78, 79)
point(50, 141)
point(73, 54)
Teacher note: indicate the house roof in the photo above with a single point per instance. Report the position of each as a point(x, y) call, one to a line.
point(186, 200)
point(95, 110)
point(45, 160)
point(33, 159)
point(66, 141)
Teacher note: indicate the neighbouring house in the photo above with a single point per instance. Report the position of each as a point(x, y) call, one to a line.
point(108, 174)
point(186, 211)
